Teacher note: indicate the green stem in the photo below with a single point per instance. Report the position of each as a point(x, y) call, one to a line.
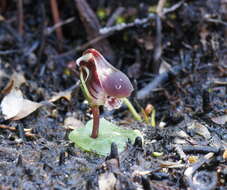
point(132, 109)
point(95, 129)
point(84, 89)
point(153, 123)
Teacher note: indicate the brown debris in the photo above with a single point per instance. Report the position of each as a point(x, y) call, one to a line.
point(20, 16)
point(56, 18)
point(92, 26)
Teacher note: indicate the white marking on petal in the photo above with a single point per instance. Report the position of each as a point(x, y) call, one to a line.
point(85, 58)
point(118, 87)
point(113, 103)
point(87, 72)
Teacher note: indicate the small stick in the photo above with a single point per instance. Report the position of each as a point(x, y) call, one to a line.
point(31, 135)
point(11, 128)
point(61, 158)
point(160, 79)
point(13, 33)
point(160, 6)
point(137, 21)
point(7, 127)
point(56, 17)
point(220, 83)
point(19, 161)
point(21, 132)
point(216, 21)
point(180, 152)
point(8, 52)
point(91, 25)
point(158, 40)
point(42, 31)
point(158, 45)
point(3, 6)
point(51, 29)
point(207, 106)
point(113, 17)
point(199, 149)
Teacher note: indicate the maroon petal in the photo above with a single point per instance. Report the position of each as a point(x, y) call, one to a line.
point(114, 82)
point(117, 85)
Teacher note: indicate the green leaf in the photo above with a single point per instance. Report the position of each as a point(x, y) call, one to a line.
point(108, 133)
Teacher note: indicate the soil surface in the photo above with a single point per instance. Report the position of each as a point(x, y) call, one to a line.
point(175, 54)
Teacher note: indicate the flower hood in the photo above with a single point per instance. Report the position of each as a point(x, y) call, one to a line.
point(106, 84)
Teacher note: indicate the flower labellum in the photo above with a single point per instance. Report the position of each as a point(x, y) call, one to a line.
point(102, 83)
point(106, 84)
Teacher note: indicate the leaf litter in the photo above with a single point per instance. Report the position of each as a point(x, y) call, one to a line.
point(15, 107)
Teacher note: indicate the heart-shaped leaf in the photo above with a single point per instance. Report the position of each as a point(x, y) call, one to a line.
point(108, 133)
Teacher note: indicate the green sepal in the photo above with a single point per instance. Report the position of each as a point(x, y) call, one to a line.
point(85, 89)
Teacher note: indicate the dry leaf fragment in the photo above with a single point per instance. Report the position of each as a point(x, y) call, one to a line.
point(200, 129)
point(8, 87)
point(164, 67)
point(192, 159)
point(107, 181)
point(225, 154)
point(64, 94)
point(67, 94)
point(221, 120)
point(15, 107)
point(72, 123)
point(16, 80)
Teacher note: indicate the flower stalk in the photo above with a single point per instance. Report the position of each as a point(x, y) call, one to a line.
point(94, 108)
point(96, 114)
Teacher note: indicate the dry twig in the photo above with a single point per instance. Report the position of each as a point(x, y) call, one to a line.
point(51, 29)
point(42, 31)
point(108, 31)
point(139, 22)
point(113, 17)
point(3, 6)
point(158, 39)
point(92, 26)
point(20, 16)
point(28, 132)
point(159, 10)
point(56, 17)
point(160, 79)
point(158, 45)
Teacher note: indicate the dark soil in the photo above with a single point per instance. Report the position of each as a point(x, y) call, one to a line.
point(189, 152)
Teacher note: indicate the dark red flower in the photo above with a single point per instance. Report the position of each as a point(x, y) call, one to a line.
point(106, 84)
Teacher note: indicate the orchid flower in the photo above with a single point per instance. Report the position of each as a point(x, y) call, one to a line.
point(102, 84)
